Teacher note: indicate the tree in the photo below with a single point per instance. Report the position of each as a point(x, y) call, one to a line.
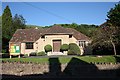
point(10, 25)
point(18, 23)
point(6, 23)
point(108, 33)
point(114, 15)
point(114, 23)
point(6, 27)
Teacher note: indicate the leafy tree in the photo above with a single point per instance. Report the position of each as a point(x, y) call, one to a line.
point(18, 23)
point(10, 25)
point(114, 25)
point(88, 30)
point(114, 15)
point(114, 19)
point(108, 33)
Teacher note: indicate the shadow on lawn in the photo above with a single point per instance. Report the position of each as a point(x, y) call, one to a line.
point(76, 68)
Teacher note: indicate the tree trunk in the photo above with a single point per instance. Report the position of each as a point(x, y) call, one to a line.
point(113, 44)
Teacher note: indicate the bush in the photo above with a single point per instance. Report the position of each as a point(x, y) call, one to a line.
point(5, 55)
point(3, 51)
point(70, 52)
point(25, 56)
point(74, 47)
point(42, 53)
point(64, 47)
point(33, 54)
point(48, 48)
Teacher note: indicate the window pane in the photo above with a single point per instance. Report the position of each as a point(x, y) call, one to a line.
point(29, 45)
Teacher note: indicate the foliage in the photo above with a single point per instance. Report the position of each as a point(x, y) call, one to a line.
point(9, 26)
point(5, 55)
point(33, 53)
point(18, 23)
point(42, 53)
point(88, 30)
point(108, 33)
point(75, 48)
point(114, 15)
point(71, 52)
point(3, 51)
point(48, 48)
point(6, 27)
point(0, 31)
point(64, 47)
point(6, 23)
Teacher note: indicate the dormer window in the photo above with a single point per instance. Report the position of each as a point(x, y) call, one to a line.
point(43, 36)
point(70, 36)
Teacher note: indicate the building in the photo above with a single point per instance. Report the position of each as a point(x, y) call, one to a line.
point(26, 41)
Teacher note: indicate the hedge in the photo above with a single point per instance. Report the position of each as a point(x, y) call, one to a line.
point(42, 53)
point(48, 48)
point(64, 47)
point(74, 48)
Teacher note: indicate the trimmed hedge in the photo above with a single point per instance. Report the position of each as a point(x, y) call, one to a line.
point(74, 48)
point(64, 47)
point(42, 53)
point(33, 53)
point(70, 52)
point(48, 48)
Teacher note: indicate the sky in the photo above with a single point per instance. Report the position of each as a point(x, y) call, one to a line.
point(49, 13)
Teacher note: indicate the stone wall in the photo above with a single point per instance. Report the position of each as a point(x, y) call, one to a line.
point(19, 69)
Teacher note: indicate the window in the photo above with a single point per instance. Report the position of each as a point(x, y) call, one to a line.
point(43, 36)
point(29, 45)
point(70, 36)
point(82, 43)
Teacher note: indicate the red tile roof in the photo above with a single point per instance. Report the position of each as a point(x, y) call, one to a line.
point(31, 35)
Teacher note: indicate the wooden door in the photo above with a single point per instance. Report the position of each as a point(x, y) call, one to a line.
point(56, 45)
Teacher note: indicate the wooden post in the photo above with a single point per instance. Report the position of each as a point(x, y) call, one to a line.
point(19, 56)
point(10, 56)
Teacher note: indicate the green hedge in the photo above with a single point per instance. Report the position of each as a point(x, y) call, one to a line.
point(74, 48)
point(70, 52)
point(64, 47)
point(42, 53)
point(48, 48)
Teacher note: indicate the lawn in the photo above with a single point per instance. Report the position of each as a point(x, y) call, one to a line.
point(88, 59)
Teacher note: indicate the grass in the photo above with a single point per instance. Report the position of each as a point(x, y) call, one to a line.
point(88, 59)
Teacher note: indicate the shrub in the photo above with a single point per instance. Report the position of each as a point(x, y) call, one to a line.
point(70, 52)
point(33, 54)
point(5, 55)
point(42, 53)
point(64, 47)
point(75, 48)
point(25, 55)
point(48, 48)
point(3, 51)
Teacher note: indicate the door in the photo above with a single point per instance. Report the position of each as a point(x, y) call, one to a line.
point(56, 45)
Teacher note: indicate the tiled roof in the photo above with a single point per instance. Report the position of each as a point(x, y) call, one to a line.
point(78, 35)
point(57, 30)
point(31, 35)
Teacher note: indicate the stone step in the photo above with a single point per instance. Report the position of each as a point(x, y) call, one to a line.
point(55, 53)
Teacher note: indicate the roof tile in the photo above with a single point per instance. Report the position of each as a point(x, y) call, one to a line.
point(31, 35)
